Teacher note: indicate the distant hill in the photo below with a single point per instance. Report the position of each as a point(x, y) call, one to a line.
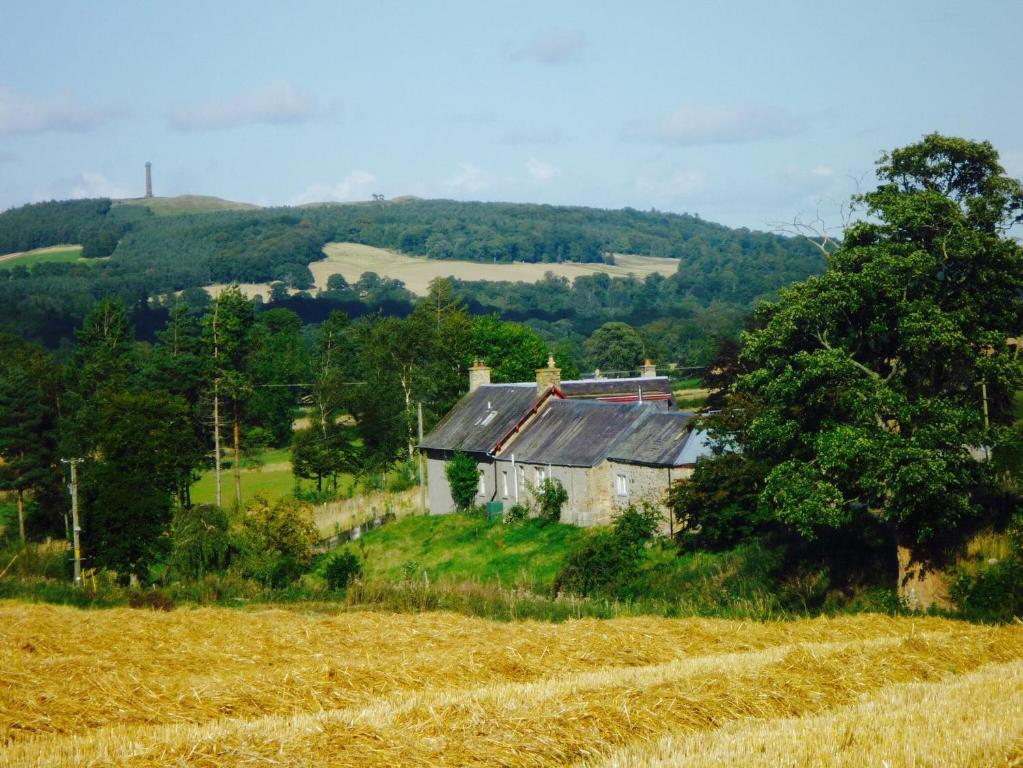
point(182, 204)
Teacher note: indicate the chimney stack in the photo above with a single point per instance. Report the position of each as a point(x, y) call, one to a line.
point(149, 179)
point(479, 375)
point(649, 370)
point(548, 377)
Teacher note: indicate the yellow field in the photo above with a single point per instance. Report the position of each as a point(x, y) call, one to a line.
point(217, 687)
point(352, 259)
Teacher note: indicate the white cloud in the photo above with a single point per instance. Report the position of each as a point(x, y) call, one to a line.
point(671, 185)
point(22, 115)
point(277, 103)
point(518, 136)
point(357, 185)
point(553, 46)
point(469, 178)
point(715, 124)
point(542, 171)
point(822, 171)
point(85, 184)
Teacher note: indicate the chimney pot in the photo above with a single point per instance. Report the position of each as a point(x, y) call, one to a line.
point(548, 377)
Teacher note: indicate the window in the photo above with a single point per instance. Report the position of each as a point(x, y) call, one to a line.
point(485, 419)
point(504, 483)
point(539, 475)
point(483, 484)
point(621, 485)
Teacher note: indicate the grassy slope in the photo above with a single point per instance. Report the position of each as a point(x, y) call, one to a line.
point(51, 255)
point(457, 547)
point(182, 204)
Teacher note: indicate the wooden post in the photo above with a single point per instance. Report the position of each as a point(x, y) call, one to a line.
point(21, 514)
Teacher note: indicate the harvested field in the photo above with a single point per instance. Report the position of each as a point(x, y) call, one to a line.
point(217, 687)
point(352, 259)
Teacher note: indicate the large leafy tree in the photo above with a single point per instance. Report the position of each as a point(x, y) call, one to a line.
point(615, 347)
point(872, 389)
point(143, 455)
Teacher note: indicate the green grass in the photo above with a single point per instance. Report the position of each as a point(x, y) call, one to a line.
point(273, 479)
point(185, 204)
point(464, 548)
point(44, 256)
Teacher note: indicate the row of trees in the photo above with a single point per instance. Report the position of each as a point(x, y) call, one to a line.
point(216, 382)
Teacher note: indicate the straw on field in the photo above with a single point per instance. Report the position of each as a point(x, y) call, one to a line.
point(976, 719)
point(570, 715)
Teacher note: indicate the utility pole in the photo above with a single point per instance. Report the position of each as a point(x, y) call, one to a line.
point(76, 528)
point(422, 484)
point(216, 404)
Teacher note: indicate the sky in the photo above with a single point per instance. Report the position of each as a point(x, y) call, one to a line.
point(747, 113)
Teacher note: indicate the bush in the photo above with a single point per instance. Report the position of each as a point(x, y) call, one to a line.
point(199, 541)
point(992, 593)
point(550, 497)
point(516, 513)
point(463, 477)
point(275, 541)
point(342, 569)
point(637, 524)
point(599, 565)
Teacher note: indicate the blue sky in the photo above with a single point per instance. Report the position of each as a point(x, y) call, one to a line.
point(747, 113)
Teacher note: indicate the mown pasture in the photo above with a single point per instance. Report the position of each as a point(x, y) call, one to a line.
point(227, 687)
point(56, 254)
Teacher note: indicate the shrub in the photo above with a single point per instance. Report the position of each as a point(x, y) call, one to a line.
point(637, 524)
point(199, 540)
point(275, 541)
point(550, 497)
point(598, 565)
point(463, 477)
point(342, 569)
point(516, 514)
point(991, 593)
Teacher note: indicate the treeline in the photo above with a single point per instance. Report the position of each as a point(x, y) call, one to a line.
point(722, 272)
point(95, 224)
point(144, 416)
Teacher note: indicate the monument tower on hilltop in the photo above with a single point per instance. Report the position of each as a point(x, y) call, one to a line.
point(149, 179)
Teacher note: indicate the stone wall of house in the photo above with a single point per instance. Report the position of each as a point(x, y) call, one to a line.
point(593, 497)
point(644, 484)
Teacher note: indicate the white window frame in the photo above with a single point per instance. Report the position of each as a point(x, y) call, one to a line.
point(482, 484)
point(622, 484)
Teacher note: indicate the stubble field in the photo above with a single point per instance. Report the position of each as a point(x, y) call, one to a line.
point(221, 687)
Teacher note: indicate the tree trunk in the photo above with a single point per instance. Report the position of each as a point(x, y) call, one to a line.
point(922, 583)
point(237, 457)
point(21, 515)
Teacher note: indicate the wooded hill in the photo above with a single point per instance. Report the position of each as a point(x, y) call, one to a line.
point(153, 255)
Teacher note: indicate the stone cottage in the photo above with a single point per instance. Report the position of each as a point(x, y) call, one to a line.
point(610, 442)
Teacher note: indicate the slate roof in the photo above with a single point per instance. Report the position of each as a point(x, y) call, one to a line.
point(654, 389)
point(481, 418)
point(575, 433)
point(660, 440)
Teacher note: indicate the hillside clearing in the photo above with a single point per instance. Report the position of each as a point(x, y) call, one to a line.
point(185, 204)
point(54, 254)
point(221, 687)
point(352, 259)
